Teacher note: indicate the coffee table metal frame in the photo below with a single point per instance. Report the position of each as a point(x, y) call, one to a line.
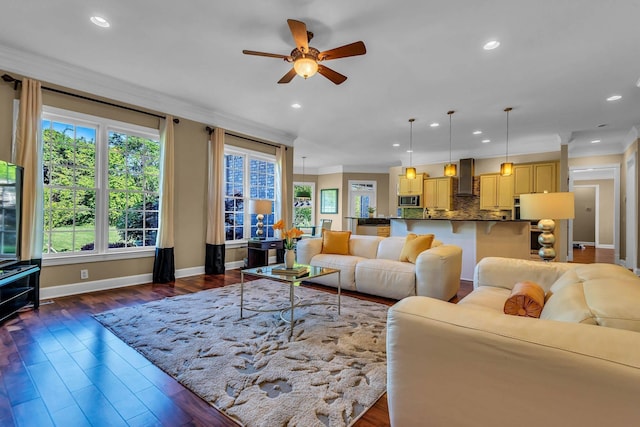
point(265, 272)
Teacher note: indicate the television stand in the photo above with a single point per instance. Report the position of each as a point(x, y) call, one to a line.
point(19, 287)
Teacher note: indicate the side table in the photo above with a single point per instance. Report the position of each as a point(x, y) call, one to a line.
point(258, 251)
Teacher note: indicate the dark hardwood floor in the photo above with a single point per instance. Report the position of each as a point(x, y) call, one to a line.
point(59, 366)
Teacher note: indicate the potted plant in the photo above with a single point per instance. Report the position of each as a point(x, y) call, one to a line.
point(371, 210)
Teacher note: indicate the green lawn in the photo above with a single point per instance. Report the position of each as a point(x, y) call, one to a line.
point(62, 238)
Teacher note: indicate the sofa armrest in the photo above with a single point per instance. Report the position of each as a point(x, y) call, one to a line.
point(523, 371)
point(438, 272)
point(506, 272)
point(307, 249)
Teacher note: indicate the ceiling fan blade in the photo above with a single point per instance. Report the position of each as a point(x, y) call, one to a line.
point(334, 76)
point(299, 33)
point(288, 77)
point(270, 55)
point(352, 49)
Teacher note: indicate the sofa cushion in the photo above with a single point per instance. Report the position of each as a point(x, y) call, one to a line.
point(488, 297)
point(414, 245)
point(345, 263)
point(335, 242)
point(364, 246)
point(526, 299)
point(597, 294)
point(390, 278)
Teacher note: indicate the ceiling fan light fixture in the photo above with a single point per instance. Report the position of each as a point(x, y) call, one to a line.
point(305, 67)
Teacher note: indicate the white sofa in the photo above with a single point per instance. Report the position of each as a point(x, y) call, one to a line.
point(469, 364)
point(373, 267)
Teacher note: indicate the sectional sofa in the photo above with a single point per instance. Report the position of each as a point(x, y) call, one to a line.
point(576, 365)
point(373, 267)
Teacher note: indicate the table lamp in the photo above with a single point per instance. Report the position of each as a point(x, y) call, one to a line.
point(260, 208)
point(546, 207)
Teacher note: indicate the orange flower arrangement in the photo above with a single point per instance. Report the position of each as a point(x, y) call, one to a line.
point(288, 235)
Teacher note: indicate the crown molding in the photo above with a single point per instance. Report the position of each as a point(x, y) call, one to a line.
point(77, 78)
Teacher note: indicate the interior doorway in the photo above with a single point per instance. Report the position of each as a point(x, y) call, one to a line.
point(585, 224)
point(605, 210)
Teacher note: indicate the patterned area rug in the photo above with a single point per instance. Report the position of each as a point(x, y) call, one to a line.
point(329, 374)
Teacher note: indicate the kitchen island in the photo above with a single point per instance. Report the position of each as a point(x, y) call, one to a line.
point(477, 238)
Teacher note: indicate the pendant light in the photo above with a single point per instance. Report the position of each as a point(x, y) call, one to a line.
point(450, 169)
point(303, 194)
point(506, 168)
point(411, 171)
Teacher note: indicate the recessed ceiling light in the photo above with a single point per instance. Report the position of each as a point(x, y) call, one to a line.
point(602, 125)
point(595, 141)
point(434, 125)
point(100, 21)
point(396, 145)
point(409, 151)
point(614, 97)
point(490, 45)
point(477, 132)
point(484, 141)
point(296, 105)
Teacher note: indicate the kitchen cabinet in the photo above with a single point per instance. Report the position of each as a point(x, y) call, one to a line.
point(496, 192)
point(535, 178)
point(411, 187)
point(438, 193)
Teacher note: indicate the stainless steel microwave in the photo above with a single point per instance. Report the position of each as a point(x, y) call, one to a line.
point(410, 201)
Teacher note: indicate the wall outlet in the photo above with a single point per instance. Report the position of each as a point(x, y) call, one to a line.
point(84, 274)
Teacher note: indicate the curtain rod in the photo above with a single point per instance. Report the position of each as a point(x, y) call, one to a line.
point(210, 129)
point(7, 78)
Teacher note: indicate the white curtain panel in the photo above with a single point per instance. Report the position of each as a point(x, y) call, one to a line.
point(215, 202)
point(282, 185)
point(28, 154)
point(165, 237)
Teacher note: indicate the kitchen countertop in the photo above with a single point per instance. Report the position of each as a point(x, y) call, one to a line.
point(461, 219)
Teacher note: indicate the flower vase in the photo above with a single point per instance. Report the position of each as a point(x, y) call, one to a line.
point(289, 258)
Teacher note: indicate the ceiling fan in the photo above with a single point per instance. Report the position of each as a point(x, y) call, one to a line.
point(306, 59)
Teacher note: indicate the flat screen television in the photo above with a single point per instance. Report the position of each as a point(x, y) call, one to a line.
point(10, 205)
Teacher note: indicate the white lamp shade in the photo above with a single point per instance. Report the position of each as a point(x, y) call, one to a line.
point(257, 206)
point(547, 206)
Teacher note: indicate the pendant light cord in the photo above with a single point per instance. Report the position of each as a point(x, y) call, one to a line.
point(507, 153)
point(411, 141)
point(450, 113)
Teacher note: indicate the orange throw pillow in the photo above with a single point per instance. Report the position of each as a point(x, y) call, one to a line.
point(335, 242)
point(414, 245)
point(526, 299)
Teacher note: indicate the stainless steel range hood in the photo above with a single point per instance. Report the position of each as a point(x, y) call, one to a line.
point(465, 177)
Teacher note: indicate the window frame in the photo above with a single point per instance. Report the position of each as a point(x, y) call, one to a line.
point(373, 194)
point(312, 202)
point(103, 126)
point(248, 155)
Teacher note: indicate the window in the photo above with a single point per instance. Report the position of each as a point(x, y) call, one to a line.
point(101, 185)
point(248, 175)
point(303, 212)
point(362, 196)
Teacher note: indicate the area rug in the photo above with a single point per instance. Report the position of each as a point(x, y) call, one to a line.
point(328, 374)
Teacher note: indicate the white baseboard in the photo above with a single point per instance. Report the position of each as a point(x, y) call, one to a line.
point(95, 285)
point(605, 247)
point(120, 282)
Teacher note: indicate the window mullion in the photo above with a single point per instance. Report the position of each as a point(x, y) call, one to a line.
point(101, 189)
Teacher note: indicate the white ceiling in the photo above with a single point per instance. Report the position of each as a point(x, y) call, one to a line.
point(558, 62)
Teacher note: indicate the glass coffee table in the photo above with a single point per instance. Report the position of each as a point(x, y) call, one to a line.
point(293, 281)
